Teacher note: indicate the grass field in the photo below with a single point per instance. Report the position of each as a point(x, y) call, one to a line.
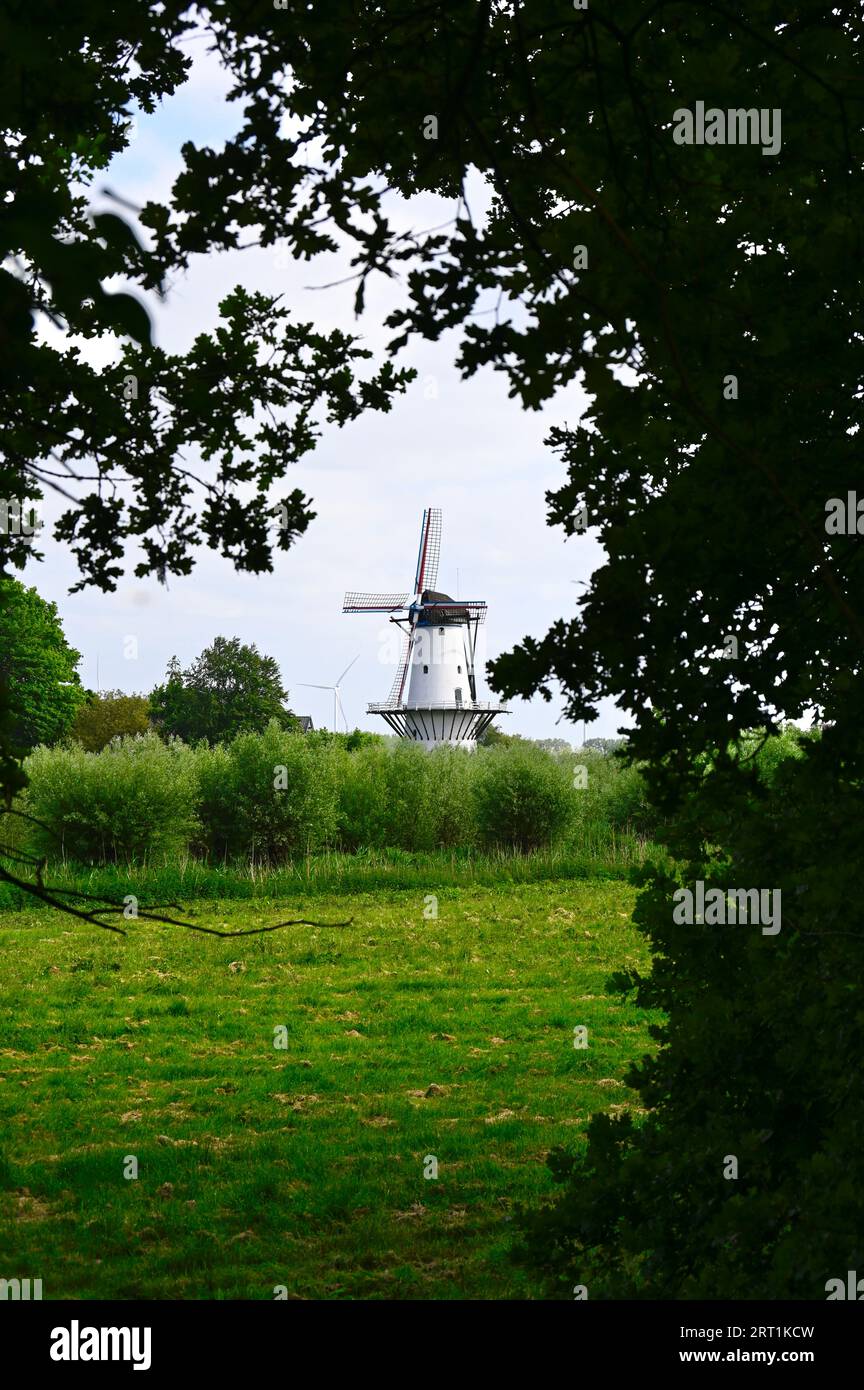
point(303, 1166)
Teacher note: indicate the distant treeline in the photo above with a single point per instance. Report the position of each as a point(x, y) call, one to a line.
point(268, 798)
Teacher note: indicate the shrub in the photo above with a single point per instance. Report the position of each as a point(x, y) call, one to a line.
point(383, 797)
point(451, 809)
point(363, 798)
point(268, 796)
point(408, 787)
point(524, 798)
point(134, 799)
point(218, 830)
point(614, 795)
point(770, 754)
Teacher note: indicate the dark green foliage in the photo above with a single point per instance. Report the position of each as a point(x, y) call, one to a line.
point(493, 737)
point(12, 777)
point(250, 398)
point(110, 714)
point(770, 754)
point(358, 738)
point(760, 1059)
point(231, 689)
point(37, 669)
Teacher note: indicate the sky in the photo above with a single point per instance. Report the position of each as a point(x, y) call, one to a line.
point(462, 446)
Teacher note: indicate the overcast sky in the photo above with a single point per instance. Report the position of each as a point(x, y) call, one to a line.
point(461, 446)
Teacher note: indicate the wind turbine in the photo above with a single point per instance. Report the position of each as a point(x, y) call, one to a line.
point(337, 703)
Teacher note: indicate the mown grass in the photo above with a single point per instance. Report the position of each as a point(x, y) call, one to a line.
point(304, 1167)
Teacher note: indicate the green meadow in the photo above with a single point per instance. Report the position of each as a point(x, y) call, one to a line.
point(283, 1096)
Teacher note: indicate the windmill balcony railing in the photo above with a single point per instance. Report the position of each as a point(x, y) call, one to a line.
point(435, 704)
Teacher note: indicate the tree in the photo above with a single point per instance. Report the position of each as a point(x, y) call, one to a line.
point(493, 737)
point(37, 669)
point(250, 398)
point(678, 282)
point(231, 689)
point(110, 714)
point(717, 464)
point(558, 747)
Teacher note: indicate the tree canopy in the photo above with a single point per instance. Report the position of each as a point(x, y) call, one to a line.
point(110, 714)
point(230, 689)
point(247, 400)
point(37, 669)
point(653, 271)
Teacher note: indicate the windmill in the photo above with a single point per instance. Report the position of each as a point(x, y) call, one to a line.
point(337, 703)
point(434, 694)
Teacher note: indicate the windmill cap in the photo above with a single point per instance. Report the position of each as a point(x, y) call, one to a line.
point(453, 613)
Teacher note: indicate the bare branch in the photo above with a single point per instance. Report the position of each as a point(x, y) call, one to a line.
point(53, 897)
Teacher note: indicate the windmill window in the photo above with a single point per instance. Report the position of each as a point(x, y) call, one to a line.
point(425, 670)
point(459, 670)
point(441, 631)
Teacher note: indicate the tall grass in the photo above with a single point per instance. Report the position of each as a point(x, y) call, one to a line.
point(607, 855)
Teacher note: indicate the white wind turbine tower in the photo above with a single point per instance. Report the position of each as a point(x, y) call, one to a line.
point(337, 703)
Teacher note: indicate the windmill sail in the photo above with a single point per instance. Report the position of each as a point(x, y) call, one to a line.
point(468, 648)
point(373, 603)
point(398, 687)
point(429, 552)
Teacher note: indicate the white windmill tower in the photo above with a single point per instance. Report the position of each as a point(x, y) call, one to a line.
point(434, 696)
